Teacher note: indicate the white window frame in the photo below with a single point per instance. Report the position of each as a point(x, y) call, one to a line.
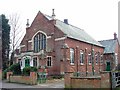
point(36, 63)
point(96, 59)
point(101, 59)
point(116, 59)
point(40, 31)
point(81, 57)
point(89, 58)
point(21, 63)
point(72, 56)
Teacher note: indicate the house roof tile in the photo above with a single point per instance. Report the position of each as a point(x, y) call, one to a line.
point(109, 45)
point(74, 32)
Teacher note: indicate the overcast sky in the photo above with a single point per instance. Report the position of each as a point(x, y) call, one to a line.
point(99, 18)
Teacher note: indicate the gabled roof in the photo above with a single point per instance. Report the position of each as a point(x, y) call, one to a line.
point(74, 32)
point(109, 45)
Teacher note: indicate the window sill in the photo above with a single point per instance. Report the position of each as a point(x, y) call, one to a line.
point(72, 64)
point(81, 63)
point(89, 64)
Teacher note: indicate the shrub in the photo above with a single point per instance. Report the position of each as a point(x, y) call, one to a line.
point(57, 76)
point(27, 70)
point(15, 68)
point(4, 73)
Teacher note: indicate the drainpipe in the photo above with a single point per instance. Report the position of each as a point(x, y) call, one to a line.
point(86, 60)
point(92, 52)
point(77, 48)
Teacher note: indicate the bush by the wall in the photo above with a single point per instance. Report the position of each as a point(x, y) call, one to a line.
point(27, 70)
point(4, 73)
point(15, 68)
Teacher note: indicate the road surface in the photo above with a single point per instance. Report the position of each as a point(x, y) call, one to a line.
point(50, 84)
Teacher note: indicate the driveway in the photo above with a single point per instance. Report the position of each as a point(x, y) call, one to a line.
point(56, 83)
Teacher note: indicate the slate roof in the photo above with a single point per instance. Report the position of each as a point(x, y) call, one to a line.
point(74, 32)
point(109, 45)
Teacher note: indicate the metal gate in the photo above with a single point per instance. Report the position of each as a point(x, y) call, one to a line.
point(42, 77)
point(115, 79)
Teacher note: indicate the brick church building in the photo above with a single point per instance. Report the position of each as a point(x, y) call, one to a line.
point(59, 46)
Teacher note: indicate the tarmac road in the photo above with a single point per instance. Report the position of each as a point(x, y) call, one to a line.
point(50, 84)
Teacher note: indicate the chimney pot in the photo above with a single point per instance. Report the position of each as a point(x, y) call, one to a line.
point(27, 23)
point(53, 14)
point(66, 21)
point(115, 36)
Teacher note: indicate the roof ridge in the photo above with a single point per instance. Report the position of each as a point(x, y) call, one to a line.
point(70, 24)
point(63, 22)
point(106, 40)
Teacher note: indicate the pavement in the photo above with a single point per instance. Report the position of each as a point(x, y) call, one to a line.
point(56, 83)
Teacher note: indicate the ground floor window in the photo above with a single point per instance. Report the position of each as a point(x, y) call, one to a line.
point(71, 56)
point(49, 61)
point(89, 58)
point(96, 58)
point(81, 57)
point(35, 61)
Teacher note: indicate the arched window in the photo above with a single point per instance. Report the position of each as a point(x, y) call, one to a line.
point(72, 56)
point(39, 42)
point(81, 57)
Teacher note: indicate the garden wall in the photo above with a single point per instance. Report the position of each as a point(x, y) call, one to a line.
point(32, 79)
point(101, 81)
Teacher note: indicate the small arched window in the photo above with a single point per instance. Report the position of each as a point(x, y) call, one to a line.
point(39, 42)
point(81, 57)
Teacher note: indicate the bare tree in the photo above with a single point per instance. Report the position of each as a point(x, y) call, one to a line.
point(15, 33)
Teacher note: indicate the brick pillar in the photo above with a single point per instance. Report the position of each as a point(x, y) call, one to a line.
point(8, 75)
point(67, 79)
point(33, 76)
point(0, 74)
point(105, 79)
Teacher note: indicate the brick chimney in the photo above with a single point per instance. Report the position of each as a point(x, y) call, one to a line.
point(53, 14)
point(27, 25)
point(66, 21)
point(115, 36)
point(53, 20)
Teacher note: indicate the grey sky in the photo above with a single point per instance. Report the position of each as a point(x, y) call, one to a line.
point(99, 18)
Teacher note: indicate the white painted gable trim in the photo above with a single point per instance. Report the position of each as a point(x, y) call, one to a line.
point(58, 39)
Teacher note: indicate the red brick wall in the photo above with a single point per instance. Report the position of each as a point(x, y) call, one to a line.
point(119, 54)
point(109, 57)
point(101, 81)
point(106, 80)
point(93, 82)
point(82, 46)
point(41, 23)
point(32, 79)
point(0, 74)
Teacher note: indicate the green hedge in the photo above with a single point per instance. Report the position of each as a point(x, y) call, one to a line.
point(27, 70)
point(4, 73)
point(15, 68)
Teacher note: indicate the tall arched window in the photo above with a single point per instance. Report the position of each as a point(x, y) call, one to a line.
point(39, 42)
